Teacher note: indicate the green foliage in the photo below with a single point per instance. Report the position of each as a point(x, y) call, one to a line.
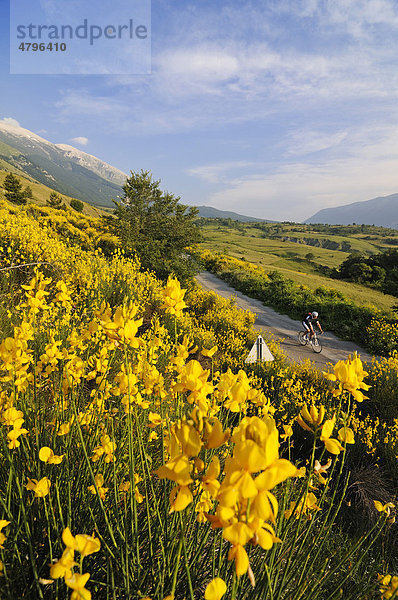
point(55, 201)
point(28, 192)
point(13, 190)
point(154, 225)
point(379, 270)
point(77, 205)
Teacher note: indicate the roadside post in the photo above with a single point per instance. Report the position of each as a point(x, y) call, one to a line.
point(259, 352)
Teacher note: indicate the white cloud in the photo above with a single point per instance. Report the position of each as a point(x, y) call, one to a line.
point(233, 82)
point(218, 173)
point(303, 142)
point(297, 190)
point(82, 141)
point(10, 121)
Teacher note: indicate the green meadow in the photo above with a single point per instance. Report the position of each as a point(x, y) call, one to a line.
point(272, 249)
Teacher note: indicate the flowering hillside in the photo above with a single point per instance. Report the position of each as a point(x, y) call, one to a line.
point(140, 459)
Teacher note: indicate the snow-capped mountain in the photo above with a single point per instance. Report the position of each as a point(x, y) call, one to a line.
point(94, 164)
point(61, 167)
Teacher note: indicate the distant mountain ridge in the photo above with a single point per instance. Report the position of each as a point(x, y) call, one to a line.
point(381, 211)
point(208, 212)
point(64, 168)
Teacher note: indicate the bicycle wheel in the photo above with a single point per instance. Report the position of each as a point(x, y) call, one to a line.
point(302, 338)
point(316, 345)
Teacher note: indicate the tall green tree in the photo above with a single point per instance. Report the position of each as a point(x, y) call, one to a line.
point(154, 224)
point(13, 189)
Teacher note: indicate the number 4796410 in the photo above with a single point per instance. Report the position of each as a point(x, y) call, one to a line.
point(42, 47)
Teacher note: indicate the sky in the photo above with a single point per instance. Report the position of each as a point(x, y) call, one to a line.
point(270, 108)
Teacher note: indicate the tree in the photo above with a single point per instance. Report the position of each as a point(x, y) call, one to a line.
point(13, 189)
point(28, 192)
point(345, 246)
point(55, 201)
point(154, 224)
point(77, 205)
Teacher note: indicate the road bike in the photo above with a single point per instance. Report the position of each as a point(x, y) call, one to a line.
point(314, 341)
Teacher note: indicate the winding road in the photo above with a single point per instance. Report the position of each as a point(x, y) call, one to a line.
point(283, 328)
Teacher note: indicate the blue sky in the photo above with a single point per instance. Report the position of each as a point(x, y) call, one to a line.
point(273, 108)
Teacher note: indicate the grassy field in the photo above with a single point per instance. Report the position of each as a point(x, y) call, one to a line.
point(288, 257)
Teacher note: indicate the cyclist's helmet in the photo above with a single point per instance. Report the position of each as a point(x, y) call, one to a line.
point(314, 315)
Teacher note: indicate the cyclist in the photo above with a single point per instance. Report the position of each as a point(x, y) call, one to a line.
point(307, 324)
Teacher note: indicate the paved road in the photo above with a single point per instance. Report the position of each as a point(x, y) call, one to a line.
point(283, 327)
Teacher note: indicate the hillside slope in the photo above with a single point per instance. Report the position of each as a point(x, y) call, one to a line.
point(41, 193)
point(382, 211)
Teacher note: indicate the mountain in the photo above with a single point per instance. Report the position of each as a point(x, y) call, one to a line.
point(63, 168)
point(208, 212)
point(94, 164)
point(382, 211)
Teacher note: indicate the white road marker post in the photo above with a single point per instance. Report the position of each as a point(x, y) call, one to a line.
point(259, 352)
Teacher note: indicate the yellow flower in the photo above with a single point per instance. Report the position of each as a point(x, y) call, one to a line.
point(173, 297)
point(384, 507)
point(388, 586)
point(47, 455)
point(11, 415)
point(288, 429)
point(215, 589)
point(63, 567)
point(125, 486)
point(210, 353)
point(3, 523)
point(332, 445)
point(106, 448)
point(82, 543)
point(239, 554)
point(346, 435)
point(99, 482)
point(310, 420)
point(40, 488)
point(189, 439)
point(320, 469)
point(180, 498)
point(14, 434)
point(210, 482)
point(63, 429)
point(349, 374)
point(77, 583)
point(63, 296)
point(177, 470)
point(304, 506)
point(214, 434)
point(154, 419)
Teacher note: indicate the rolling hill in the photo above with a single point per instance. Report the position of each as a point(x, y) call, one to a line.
point(208, 212)
point(382, 211)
